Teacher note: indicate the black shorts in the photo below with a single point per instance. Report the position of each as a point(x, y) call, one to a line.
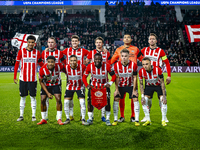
point(149, 90)
point(70, 93)
point(52, 89)
point(123, 90)
point(24, 87)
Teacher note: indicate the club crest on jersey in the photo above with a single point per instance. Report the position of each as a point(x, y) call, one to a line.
point(98, 94)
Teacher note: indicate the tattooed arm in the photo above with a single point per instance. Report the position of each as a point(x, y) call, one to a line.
point(142, 92)
point(164, 100)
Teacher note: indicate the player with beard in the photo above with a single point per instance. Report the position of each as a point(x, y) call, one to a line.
point(99, 77)
point(29, 58)
point(157, 56)
point(154, 82)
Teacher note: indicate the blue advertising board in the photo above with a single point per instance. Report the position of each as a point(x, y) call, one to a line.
point(92, 2)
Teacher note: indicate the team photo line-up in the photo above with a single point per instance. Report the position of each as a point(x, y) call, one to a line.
point(78, 63)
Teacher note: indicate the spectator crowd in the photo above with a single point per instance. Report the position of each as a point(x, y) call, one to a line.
point(134, 18)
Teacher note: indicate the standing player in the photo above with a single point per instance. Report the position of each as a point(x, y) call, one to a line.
point(52, 51)
point(126, 81)
point(74, 73)
point(80, 53)
point(99, 42)
point(133, 56)
point(29, 58)
point(50, 81)
point(99, 77)
point(154, 82)
point(157, 55)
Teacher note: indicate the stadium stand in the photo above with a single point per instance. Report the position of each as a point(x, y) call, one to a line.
point(135, 18)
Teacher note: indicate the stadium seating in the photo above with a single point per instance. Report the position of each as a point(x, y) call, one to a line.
point(137, 19)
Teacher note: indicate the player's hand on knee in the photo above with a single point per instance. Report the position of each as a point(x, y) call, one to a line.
point(49, 95)
point(168, 80)
point(15, 80)
point(164, 100)
point(116, 93)
point(134, 93)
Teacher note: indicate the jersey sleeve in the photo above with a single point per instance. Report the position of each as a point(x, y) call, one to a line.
point(110, 69)
point(166, 61)
point(39, 59)
point(163, 55)
point(115, 69)
point(140, 54)
point(115, 56)
point(64, 51)
point(86, 73)
point(87, 70)
point(86, 52)
point(109, 58)
point(89, 56)
point(19, 55)
point(18, 58)
point(62, 57)
point(83, 68)
point(42, 56)
point(41, 73)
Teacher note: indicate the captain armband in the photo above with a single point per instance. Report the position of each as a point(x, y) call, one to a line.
point(164, 57)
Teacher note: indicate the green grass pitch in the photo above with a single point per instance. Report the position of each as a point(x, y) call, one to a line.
point(182, 132)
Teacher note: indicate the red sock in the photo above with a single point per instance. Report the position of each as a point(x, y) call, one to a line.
point(132, 108)
point(122, 106)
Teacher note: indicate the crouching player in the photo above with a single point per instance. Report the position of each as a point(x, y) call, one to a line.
point(126, 81)
point(50, 81)
point(154, 82)
point(99, 77)
point(74, 73)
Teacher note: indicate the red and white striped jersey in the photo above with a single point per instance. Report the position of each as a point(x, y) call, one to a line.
point(125, 73)
point(151, 78)
point(29, 60)
point(99, 76)
point(51, 78)
point(154, 54)
point(105, 56)
point(56, 53)
point(74, 77)
point(80, 53)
